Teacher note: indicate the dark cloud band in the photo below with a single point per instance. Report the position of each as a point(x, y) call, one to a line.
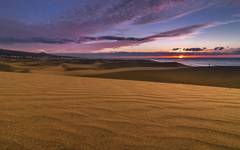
point(172, 33)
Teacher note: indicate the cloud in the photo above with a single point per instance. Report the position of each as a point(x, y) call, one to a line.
point(194, 49)
point(172, 10)
point(117, 39)
point(172, 33)
point(81, 24)
point(219, 48)
point(111, 38)
point(181, 31)
point(9, 40)
point(190, 49)
point(113, 42)
point(98, 16)
point(176, 49)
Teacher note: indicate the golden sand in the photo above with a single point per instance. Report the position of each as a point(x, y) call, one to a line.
point(56, 112)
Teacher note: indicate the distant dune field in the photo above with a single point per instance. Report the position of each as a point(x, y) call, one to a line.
point(55, 112)
point(138, 70)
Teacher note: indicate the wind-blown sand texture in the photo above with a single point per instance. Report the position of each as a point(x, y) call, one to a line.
point(55, 112)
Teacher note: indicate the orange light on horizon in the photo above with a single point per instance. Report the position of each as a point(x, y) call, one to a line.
point(178, 56)
point(181, 56)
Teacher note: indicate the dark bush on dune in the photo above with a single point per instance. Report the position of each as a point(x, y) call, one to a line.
point(5, 67)
point(9, 68)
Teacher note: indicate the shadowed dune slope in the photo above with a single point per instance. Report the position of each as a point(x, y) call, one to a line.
point(53, 112)
point(209, 76)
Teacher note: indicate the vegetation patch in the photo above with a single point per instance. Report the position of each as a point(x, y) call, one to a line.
point(9, 68)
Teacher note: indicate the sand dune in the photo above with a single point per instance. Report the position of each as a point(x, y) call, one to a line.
point(208, 76)
point(55, 112)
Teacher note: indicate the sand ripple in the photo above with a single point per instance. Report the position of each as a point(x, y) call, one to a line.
point(51, 112)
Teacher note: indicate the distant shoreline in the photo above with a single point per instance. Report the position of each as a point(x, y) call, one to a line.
point(204, 62)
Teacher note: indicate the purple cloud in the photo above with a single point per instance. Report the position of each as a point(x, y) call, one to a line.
point(219, 48)
point(79, 25)
point(172, 33)
point(98, 16)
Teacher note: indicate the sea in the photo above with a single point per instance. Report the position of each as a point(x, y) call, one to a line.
point(204, 61)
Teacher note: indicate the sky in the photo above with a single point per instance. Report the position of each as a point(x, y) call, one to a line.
point(83, 26)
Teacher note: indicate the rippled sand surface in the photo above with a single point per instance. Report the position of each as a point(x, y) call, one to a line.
point(54, 112)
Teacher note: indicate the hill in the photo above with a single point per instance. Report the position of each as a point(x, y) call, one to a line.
point(20, 54)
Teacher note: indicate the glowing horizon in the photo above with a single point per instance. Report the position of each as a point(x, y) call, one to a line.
point(181, 56)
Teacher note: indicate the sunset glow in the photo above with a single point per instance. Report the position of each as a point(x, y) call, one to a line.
point(181, 56)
